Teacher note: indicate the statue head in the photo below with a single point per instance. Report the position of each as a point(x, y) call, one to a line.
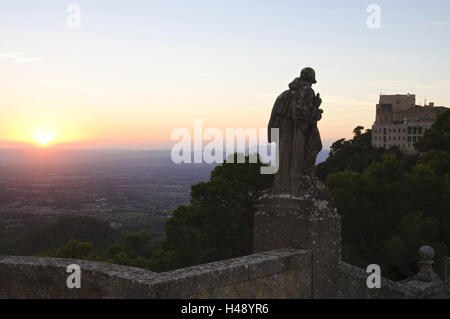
point(308, 75)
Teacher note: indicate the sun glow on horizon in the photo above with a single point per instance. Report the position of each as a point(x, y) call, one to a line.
point(44, 138)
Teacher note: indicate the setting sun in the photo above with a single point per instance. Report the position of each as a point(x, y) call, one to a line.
point(43, 138)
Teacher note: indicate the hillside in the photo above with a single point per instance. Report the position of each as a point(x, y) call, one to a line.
point(54, 235)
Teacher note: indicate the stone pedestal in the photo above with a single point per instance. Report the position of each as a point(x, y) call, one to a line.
point(310, 223)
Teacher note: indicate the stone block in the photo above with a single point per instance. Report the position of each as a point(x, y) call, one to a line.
point(303, 223)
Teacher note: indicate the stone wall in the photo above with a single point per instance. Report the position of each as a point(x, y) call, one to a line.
point(284, 273)
point(446, 268)
point(353, 285)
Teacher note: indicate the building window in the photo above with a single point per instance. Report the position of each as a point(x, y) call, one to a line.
point(420, 130)
point(415, 130)
point(409, 130)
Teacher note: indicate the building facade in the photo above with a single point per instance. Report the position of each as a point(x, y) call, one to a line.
point(401, 122)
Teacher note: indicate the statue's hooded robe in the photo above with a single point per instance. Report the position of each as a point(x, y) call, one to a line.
point(295, 114)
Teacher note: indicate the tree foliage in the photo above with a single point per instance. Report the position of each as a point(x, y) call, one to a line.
point(438, 137)
point(394, 205)
point(356, 155)
point(74, 249)
point(52, 236)
point(135, 250)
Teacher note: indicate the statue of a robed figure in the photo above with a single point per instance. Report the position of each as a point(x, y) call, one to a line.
point(298, 212)
point(296, 113)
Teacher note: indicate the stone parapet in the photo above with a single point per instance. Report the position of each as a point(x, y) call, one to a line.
point(284, 273)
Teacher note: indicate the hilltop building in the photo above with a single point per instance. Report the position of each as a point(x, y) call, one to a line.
point(401, 122)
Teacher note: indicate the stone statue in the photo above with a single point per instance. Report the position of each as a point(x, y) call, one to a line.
point(296, 113)
point(299, 213)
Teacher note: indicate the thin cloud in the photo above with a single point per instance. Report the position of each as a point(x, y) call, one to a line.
point(17, 57)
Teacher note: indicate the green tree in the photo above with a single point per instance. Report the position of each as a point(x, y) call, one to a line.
point(438, 137)
point(134, 251)
point(357, 131)
point(138, 244)
point(368, 203)
point(415, 230)
point(54, 235)
point(355, 155)
point(74, 249)
point(376, 200)
point(124, 259)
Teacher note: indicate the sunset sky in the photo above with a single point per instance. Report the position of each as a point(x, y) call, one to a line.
point(135, 70)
